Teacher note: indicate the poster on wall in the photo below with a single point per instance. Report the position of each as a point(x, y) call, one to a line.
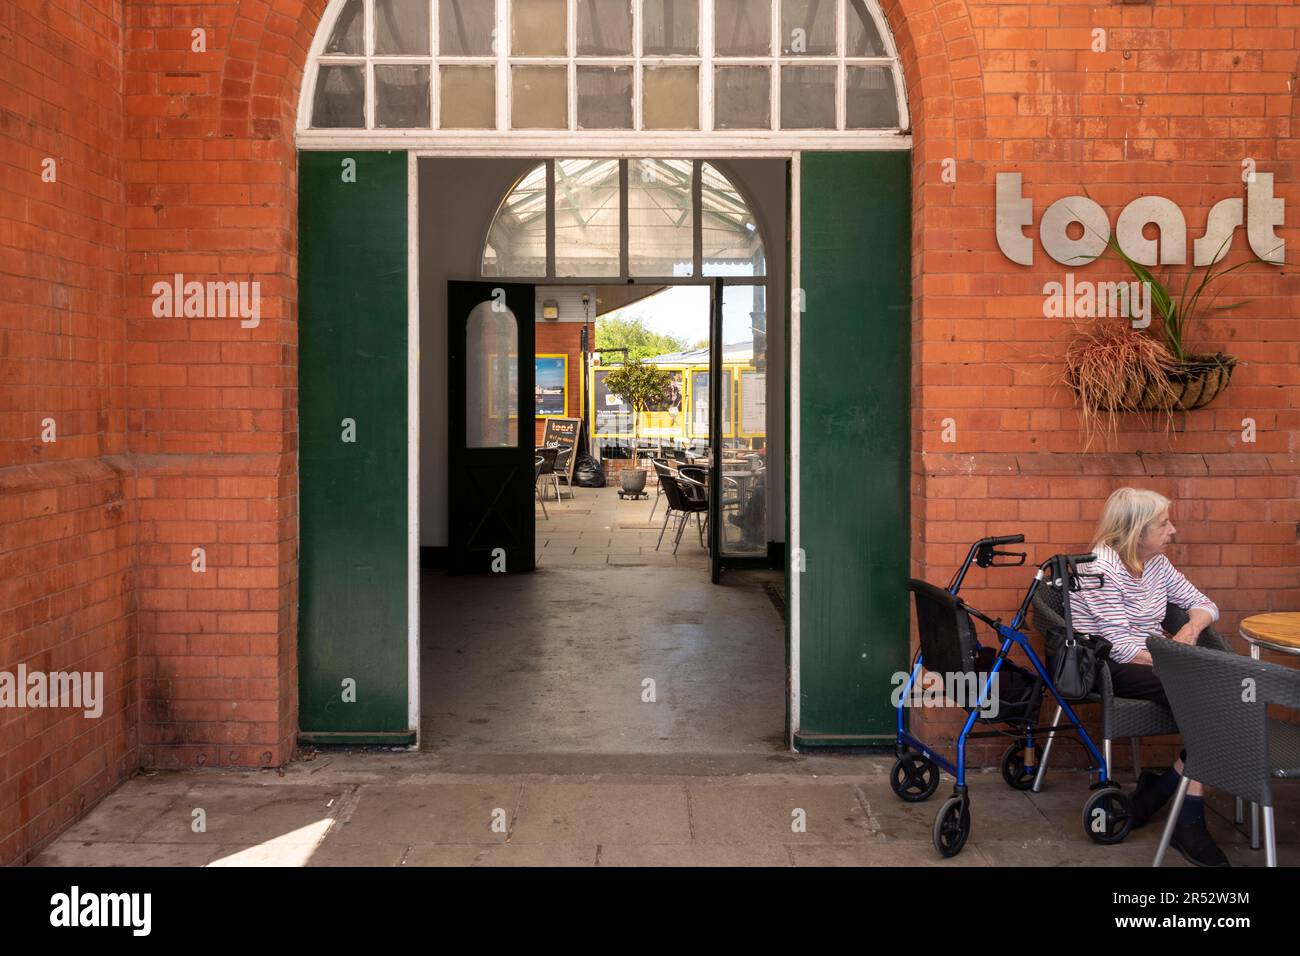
point(552, 385)
point(612, 417)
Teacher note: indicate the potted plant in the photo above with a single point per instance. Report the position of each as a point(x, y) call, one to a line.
point(640, 386)
point(1116, 369)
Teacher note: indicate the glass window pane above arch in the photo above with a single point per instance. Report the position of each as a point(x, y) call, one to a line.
point(742, 27)
point(670, 27)
point(539, 98)
point(808, 27)
point(604, 97)
point(401, 96)
point(670, 97)
point(604, 27)
point(466, 27)
point(808, 97)
point(596, 67)
point(349, 32)
point(871, 101)
point(538, 27)
point(742, 97)
point(401, 27)
point(468, 97)
point(864, 37)
point(340, 101)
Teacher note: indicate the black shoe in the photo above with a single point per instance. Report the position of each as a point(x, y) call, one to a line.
point(1147, 799)
point(1197, 846)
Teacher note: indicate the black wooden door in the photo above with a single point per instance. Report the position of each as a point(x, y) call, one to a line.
point(490, 411)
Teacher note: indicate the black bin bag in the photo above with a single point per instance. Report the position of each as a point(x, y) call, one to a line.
point(587, 473)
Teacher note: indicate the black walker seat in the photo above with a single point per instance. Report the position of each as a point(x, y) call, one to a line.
point(949, 646)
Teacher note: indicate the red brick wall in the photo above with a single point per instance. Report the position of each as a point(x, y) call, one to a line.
point(1183, 93)
point(210, 171)
point(176, 434)
point(66, 537)
point(564, 338)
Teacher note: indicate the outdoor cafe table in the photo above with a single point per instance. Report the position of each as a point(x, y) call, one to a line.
point(1277, 632)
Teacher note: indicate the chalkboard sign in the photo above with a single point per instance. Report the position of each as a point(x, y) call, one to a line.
point(565, 433)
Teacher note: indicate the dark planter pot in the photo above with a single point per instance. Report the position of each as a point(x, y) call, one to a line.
point(1195, 384)
point(633, 480)
point(1190, 385)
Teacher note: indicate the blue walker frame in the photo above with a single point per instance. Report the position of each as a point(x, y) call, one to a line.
point(983, 552)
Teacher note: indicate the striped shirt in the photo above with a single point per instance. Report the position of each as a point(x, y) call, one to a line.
point(1127, 610)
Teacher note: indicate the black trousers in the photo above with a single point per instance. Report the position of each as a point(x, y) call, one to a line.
point(1138, 681)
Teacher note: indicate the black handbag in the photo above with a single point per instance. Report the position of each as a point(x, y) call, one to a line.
point(1073, 659)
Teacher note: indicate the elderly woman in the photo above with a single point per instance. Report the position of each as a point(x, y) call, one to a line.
point(1134, 531)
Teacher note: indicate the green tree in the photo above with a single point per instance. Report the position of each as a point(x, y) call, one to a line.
point(632, 334)
point(640, 386)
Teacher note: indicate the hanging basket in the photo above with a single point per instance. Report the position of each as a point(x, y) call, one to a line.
point(1195, 383)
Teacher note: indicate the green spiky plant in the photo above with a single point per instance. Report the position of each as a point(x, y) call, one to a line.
point(1178, 314)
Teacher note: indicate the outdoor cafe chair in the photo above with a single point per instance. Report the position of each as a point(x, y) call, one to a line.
point(561, 471)
point(1221, 704)
point(537, 484)
point(661, 469)
point(549, 454)
point(1120, 716)
point(686, 498)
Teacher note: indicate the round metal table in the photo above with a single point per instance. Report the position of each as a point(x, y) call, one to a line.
point(1277, 632)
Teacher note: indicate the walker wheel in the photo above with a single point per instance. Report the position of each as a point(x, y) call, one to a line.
point(914, 778)
point(952, 825)
point(1108, 815)
point(1014, 771)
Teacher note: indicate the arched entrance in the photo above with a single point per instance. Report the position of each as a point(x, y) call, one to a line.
point(395, 84)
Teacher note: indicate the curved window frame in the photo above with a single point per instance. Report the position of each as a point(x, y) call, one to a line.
point(544, 140)
point(624, 274)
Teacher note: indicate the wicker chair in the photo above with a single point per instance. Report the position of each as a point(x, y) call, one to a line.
point(1120, 716)
point(1231, 742)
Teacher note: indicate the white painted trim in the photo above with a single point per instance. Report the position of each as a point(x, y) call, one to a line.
point(792, 485)
point(413, 443)
point(588, 144)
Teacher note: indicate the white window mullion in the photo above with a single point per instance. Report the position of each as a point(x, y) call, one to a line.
point(841, 71)
point(571, 41)
point(369, 72)
point(775, 69)
point(706, 66)
point(435, 80)
point(503, 64)
point(637, 48)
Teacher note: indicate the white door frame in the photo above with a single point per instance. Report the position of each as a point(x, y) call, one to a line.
point(588, 147)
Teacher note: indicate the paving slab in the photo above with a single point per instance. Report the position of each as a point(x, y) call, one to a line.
point(433, 813)
point(567, 813)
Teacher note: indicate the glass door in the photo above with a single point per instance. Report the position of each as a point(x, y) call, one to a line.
point(490, 426)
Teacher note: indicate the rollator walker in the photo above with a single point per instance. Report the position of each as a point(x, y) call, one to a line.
point(949, 646)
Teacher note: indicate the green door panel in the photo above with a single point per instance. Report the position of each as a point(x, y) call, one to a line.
point(854, 377)
point(352, 364)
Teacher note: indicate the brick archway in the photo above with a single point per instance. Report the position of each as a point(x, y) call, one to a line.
point(212, 407)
